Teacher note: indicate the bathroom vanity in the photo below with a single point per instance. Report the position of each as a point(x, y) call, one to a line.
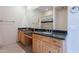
point(42, 41)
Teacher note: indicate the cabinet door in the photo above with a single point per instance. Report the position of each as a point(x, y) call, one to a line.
point(19, 35)
point(34, 45)
point(50, 48)
point(22, 38)
point(42, 44)
point(44, 47)
point(54, 49)
point(56, 45)
point(38, 46)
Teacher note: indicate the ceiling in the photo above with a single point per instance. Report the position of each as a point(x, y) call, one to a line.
point(44, 8)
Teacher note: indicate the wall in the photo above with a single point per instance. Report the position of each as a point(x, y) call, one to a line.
point(61, 18)
point(48, 12)
point(8, 30)
point(32, 17)
point(12, 13)
point(73, 32)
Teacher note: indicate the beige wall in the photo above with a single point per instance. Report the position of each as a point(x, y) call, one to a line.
point(13, 13)
point(8, 30)
point(61, 19)
point(32, 17)
point(49, 12)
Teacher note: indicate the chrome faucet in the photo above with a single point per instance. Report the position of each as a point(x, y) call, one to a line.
point(49, 30)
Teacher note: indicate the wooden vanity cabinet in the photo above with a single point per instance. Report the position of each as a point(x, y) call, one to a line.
point(43, 44)
point(21, 37)
point(24, 39)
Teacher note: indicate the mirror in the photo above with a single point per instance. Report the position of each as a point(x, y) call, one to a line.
point(53, 17)
point(46, 18)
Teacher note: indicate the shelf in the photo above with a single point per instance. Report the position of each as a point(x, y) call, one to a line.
point(46, 21)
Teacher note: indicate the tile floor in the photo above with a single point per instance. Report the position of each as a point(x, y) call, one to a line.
point(27, 48)
point(11, 48)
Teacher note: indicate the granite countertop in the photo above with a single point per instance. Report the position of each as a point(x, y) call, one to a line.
point(61, 36)
point(27, 32)
point(57, 34)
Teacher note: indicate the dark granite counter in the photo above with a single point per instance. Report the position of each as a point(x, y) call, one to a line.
point(60, 36)
point(49, 33)
point(27, 32)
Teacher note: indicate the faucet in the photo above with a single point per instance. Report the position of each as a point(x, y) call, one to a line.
point(33, 29)
point(49, 30)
